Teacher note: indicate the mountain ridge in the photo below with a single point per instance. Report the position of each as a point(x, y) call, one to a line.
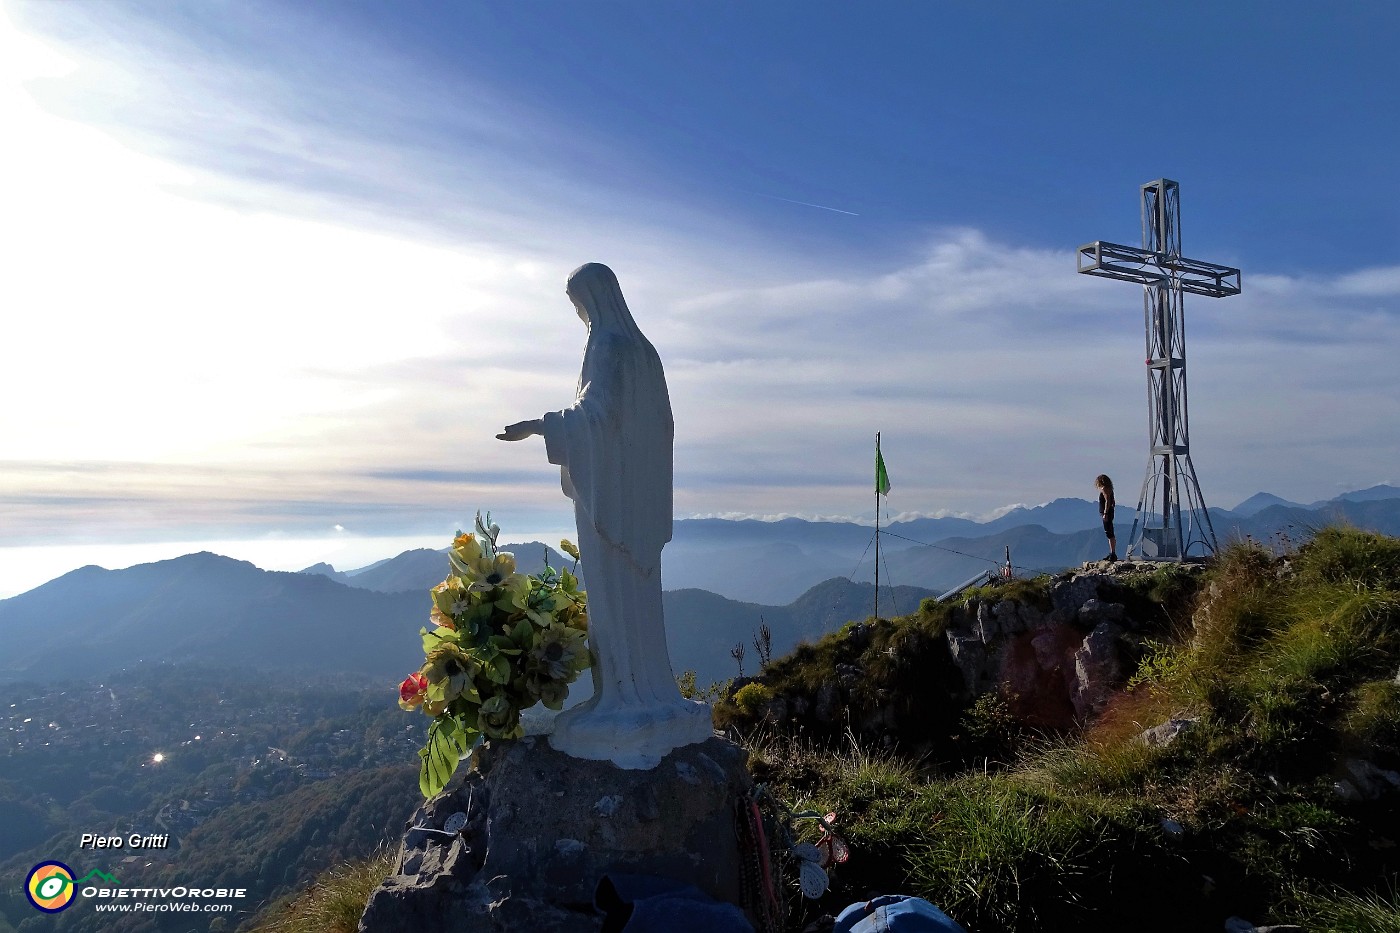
point(774, 563)
point(205, 606)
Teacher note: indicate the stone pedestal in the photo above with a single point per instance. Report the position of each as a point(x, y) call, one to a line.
point(542, 828)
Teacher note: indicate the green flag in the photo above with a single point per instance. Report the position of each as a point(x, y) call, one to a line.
point(882, 479)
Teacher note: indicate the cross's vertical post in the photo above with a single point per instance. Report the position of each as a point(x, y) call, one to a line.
point(1162, 528)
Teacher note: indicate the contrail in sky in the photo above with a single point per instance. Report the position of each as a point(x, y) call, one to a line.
point(836, 210)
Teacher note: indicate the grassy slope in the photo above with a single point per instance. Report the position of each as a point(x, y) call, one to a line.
point(1288, 664)
point(334, 901)
point(1289, 667)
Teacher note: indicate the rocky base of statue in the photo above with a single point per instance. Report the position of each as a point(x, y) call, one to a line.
point(542, 828)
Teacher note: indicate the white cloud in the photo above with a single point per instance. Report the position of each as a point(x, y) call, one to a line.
point(1380, 282)
point(327, 326)
point(1005, 510)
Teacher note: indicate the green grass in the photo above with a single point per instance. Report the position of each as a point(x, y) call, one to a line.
point(333, 903)
point(1001, 854)
point(1336, 910)
point(1373, 718)
point(1033, 590)
point(1287, 661)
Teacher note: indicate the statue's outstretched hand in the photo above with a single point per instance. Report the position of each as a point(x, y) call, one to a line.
point(521, 430)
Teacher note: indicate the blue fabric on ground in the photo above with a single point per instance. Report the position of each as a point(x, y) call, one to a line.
point(895, 913)
point(648, 904)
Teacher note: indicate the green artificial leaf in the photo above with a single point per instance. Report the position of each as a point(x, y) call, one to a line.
point(523, 634)
point(440, 756)
point(459, 738)
point(427, 771)
point(503, 645)
point(436, 637)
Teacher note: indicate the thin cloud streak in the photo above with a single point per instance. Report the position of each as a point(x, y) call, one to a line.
point(823, 207)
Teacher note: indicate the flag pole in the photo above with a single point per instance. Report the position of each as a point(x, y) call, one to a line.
point(877, 530)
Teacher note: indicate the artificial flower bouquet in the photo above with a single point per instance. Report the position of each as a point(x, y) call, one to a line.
point(502, 641)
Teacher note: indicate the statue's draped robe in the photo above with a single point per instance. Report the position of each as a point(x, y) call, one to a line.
point(614, 447)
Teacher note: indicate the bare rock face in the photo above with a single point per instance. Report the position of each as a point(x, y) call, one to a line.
point(1095, 611)
point(1160, 736)
point(826, 702)
point(1036, 674)
point(541, 828)
point(1098, 669)
point(1067, 595)
point(1053, 667)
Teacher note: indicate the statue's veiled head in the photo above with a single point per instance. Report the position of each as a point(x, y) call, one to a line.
point(597, 297)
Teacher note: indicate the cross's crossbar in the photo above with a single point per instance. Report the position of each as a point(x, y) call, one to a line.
point(1135, 264)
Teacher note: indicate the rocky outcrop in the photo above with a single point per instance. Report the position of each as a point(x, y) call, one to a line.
point(1054, 666)
point(1055, 657)
point(521, 842)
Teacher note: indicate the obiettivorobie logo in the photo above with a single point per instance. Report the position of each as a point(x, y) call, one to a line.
point(50, 886)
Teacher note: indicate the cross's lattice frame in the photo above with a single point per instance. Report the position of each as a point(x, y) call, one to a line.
point(1171, 518)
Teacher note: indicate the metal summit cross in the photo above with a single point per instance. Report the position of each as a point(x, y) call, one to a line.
point(1162, 529)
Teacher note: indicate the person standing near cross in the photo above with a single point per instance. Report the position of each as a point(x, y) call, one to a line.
point(1105, 487)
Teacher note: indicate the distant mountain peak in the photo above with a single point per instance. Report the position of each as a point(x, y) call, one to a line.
point(207, 559)
point(1261, 501)
point(1370, 494)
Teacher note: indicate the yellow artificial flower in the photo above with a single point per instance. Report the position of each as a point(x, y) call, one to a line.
point(466, 547)
point(568, 547)
point(560, 652)
point(465, 554)
point(452, 597)
point(453, 668)
point(499, 571)
point(495, 570)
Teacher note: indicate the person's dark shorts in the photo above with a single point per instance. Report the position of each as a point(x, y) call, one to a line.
point(1108, 525)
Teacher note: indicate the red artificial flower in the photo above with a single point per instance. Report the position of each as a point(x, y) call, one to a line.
point(412, 690)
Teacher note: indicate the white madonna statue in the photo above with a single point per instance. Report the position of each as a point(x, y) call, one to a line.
point(614, 450)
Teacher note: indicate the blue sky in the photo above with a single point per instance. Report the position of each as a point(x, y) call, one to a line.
point(276, 273)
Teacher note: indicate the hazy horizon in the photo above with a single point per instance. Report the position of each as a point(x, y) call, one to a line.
point(22, 569)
